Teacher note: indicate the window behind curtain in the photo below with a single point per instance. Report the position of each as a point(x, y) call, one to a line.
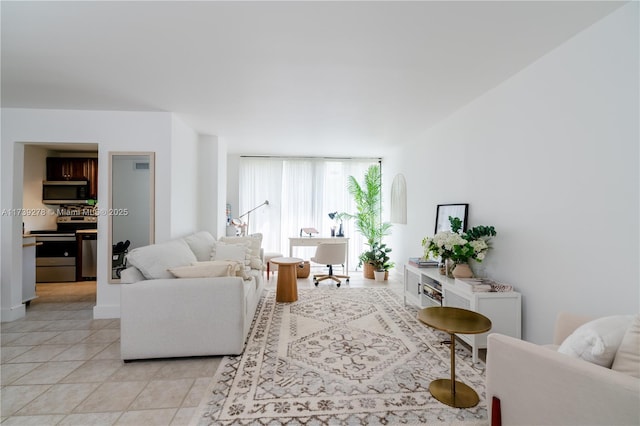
point(301, 193)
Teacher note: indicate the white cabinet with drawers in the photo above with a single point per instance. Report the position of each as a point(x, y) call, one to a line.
point(425, 287)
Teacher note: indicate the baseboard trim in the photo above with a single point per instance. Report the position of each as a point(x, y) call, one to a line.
point(106, 312)
point(13, 313)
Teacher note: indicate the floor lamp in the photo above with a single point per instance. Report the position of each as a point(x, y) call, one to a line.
point(245, 226)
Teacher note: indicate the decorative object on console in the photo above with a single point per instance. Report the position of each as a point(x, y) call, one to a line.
point(482, 285)
point(444, 213)
point(459, 247)
point(421, 262)
point(462, 270)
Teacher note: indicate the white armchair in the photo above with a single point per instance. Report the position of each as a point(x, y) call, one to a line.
point(529, 384)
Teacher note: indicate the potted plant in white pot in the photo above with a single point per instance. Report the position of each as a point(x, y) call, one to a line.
point(379, 260)
point(367, 219)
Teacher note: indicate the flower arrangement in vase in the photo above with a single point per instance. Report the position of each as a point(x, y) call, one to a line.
point(459, 247)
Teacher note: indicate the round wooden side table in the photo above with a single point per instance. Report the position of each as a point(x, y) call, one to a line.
point(454, 320)
point(287, 285)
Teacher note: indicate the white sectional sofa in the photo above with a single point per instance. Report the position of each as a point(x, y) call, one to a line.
point(567, 383)
point(207, 311)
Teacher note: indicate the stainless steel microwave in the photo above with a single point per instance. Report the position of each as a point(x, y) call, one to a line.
point(65, 192)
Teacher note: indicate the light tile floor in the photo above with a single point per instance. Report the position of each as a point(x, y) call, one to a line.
point(61, 367)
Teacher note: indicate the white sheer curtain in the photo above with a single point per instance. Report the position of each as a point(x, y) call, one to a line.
point(301, 194)
point(259, 180)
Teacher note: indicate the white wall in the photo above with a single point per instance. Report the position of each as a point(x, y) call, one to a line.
point(184, 178)
point(212, 174)
point(550, 158)
point(112, 131)
point(401, 241)
point(35, 169)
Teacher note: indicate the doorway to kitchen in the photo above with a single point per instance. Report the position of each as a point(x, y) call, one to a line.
point(64, 226)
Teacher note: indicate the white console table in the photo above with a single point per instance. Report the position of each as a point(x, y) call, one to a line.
point(314, 241)
point(425, 287)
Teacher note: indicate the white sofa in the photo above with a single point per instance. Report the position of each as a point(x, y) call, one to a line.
point(537, 385)
point(163, 316)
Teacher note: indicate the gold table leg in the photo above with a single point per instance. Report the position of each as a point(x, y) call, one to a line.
point(450, 392)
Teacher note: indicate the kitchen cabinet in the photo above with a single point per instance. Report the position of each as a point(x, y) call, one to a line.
point(74, 168)
point(91, 165)
point(60, 168)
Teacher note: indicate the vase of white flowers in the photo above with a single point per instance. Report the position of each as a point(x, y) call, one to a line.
point(459, 247)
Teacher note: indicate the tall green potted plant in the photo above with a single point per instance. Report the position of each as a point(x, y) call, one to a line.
point(368, 216)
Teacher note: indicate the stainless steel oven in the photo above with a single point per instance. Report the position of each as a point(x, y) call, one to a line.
point(56, 257)
point(57, 254)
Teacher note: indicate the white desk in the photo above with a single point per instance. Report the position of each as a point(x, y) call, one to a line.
point(314, 241)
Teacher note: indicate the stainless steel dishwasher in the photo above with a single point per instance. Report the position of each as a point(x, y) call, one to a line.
point(88, 246)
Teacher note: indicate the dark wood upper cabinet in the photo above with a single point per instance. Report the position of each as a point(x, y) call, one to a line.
point(92, 172)
point(74, 168)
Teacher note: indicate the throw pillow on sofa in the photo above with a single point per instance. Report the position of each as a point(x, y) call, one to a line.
point(213, 268)
point(236, 252)
point(627, 358)
point(155, 260)
point(255, 244)
point(201, 244)
point(597, 341)
point(204, 270)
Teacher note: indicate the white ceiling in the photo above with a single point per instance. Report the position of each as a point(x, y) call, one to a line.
point(304, 78)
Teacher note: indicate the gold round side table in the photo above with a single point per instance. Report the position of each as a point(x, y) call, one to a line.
point(454, 320)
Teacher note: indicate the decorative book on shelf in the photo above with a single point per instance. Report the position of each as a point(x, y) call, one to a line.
point(481, 285)
point(420, 262)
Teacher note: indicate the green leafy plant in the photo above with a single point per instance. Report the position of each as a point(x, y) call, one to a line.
point(378, 257)
point(367, 219)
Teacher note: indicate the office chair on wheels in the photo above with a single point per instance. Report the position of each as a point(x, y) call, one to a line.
point(330, 254)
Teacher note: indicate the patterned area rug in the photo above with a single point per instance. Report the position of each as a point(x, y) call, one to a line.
point(348, 356)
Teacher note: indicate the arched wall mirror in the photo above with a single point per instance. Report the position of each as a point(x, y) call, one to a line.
point(399, 200)
point(131, 205)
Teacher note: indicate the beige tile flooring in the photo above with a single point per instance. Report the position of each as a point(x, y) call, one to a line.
point(61, 367)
